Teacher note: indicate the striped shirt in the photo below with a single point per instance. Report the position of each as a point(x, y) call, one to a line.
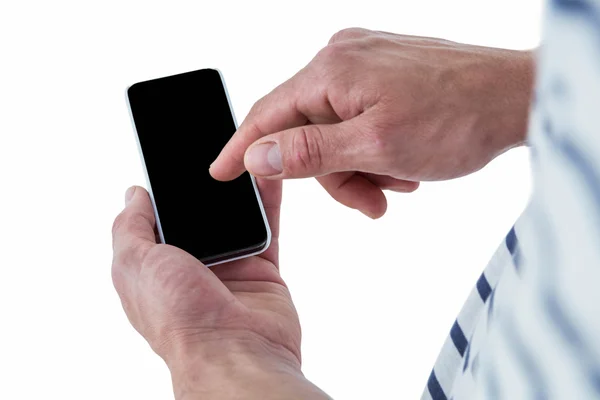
point(531, 327)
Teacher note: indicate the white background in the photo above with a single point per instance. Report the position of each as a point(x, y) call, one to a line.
point(376, 298)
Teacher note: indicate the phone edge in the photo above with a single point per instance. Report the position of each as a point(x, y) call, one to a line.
point(147, 177)
point(149, 186)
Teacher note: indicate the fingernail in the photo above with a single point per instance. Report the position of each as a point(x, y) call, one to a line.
point(264, 159)
point(368, 214)
point(129, 194)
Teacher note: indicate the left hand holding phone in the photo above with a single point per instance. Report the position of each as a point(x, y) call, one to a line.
point(224, 332)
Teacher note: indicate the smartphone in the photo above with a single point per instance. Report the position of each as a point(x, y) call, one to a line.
point(182, 122)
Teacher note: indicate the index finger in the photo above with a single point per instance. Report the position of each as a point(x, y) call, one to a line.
point(275, 112)
point(133, 229)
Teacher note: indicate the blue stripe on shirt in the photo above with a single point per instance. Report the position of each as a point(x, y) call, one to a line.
point(511, 241)
point(581, 7)
point(483, 287)
point(435, 390)
point(466, 363)
point(512, 244)
point(458, 338)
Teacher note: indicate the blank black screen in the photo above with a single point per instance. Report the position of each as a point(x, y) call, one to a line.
point(183, 122)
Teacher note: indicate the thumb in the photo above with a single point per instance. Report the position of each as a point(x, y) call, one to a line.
point(136, 221)
point(305, 151)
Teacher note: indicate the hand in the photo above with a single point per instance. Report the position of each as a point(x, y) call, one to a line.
point(227, 332)
point(376, 111)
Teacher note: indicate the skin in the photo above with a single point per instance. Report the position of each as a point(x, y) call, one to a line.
point(228, 332)
point(373, 111)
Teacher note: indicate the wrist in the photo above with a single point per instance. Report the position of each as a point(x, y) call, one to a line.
point(237, 367)
point(525, 68)
point(517, 88)
point(503, 81)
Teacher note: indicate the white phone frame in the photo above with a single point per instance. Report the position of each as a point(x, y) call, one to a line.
point(149, 186)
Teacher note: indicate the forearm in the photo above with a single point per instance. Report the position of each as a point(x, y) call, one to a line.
point(239, 370)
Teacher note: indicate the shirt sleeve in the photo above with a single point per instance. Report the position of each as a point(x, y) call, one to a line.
point(543, 340)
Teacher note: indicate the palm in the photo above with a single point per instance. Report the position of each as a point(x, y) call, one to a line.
point(257, 285)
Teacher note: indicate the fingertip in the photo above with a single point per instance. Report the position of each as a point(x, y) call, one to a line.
point(370, 215)
point(414, 187)
point(218, 172)
point(137, 219)
point(405, 187)
point(138, 198)
point(386, 182)
point(377, 207)
point(214, 171)
point(357, 192)
point(129, 194)
point(264, 159)
point(226, 168)
point(134, 195)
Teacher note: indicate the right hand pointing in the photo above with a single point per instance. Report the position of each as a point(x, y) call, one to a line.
point(375, 111)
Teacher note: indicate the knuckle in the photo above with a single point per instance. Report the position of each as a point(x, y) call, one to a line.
point(129, 221)
point(170, 271)
point(346, 34)
point(332, 62)
point(257, 107)
point(382, 147)
point(306, 150)
point(119, 222)
point(130, 256)
point(332, 55)
point(379, 144)
point(157, 256)
point(165, 265)
point(378, 41)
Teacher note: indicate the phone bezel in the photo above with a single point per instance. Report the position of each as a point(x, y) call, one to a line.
point(220, 258)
